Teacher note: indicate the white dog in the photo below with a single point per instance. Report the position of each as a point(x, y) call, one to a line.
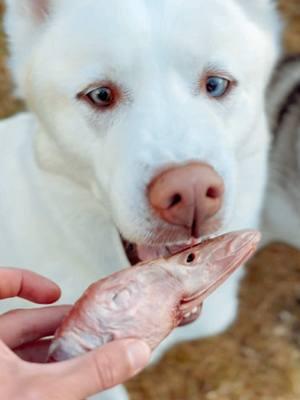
point(281, 220)
point(146, 129)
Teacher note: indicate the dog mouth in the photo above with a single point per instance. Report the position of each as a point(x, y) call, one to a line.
point(137, 253)
point(143, 252)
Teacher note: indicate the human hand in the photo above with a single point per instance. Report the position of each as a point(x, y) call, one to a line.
point(21, 330)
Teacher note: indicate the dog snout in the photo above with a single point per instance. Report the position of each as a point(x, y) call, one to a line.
point(187, 196)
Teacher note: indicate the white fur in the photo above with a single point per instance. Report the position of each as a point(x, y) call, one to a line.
point(72, 178)
point(281, 216)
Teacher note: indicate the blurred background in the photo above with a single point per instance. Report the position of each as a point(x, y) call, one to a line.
point(258, 358)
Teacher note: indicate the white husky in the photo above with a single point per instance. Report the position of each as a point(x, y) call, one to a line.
point(146, 128)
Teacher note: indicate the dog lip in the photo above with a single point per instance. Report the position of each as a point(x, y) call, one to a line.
point(133, 251)
point(130, 251)
point(162, 246)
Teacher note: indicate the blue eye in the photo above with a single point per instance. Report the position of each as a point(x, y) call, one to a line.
point(216, 86)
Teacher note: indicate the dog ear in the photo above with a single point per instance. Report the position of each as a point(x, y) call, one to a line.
point(23, 21)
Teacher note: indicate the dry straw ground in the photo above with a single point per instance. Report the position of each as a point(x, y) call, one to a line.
point(258, 358)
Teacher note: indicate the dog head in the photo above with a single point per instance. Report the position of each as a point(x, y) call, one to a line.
point(149, 104)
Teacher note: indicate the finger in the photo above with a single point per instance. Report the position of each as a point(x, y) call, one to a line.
point(28, 285)
point(18, 327)
point(6, 355)
point(98, 370)
point(34, 352)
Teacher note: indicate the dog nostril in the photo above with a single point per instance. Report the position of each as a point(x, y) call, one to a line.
point(176, 199)
point(213, 193)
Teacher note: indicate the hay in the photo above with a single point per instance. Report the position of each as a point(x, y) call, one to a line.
point(8, 104)
point(291, 11)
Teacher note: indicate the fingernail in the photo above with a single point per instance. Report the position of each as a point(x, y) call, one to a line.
point(139, 354)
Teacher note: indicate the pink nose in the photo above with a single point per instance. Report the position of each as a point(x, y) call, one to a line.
point(187, 196)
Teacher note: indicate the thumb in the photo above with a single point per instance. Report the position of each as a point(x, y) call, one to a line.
point(100, 369)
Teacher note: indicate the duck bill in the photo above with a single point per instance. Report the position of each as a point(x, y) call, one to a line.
point(215, 260)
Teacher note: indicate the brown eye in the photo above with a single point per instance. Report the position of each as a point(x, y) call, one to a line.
point(101, 97)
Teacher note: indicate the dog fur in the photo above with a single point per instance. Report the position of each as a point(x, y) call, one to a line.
point(73, 178)
point(281, 220)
